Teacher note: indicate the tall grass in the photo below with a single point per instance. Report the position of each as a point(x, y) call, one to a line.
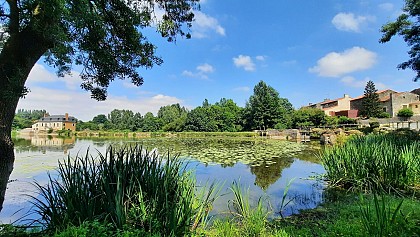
point(381, 218)
point(128, 187)
point(375, 162)
point(248, 219)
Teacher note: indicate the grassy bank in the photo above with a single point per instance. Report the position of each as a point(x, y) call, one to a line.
point(111, 134)
point(345, 217)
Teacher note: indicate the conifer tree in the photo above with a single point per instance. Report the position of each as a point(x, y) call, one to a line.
point(371, 106)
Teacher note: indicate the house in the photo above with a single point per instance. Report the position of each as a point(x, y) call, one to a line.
point(55, 122)
point(391, 102)
point(340, 106)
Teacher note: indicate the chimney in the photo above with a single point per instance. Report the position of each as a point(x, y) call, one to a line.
point(67, 117)
point(346, 96)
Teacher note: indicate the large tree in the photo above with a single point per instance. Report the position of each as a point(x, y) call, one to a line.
point(102, 36)
point(265, 109)
point(371, 106)
point(408, 26)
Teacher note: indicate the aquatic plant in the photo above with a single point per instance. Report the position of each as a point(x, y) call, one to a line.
point(381, 218)
point(127, 187)
point(389, 162)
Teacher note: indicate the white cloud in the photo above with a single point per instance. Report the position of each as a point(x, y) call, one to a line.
point(260, 58)
point(202, 71)
point(62, 101)
point(242, 89)
point(349, 22)
point(386, 6)
point(78, 103)
point(205, 68)
point(188, 73)
point(337, 64)
point(353, 82)
point(204, 24)
point(245, 62)
point(39, 74)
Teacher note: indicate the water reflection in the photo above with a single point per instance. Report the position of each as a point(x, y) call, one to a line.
point(265, 166)
point(268, 173)
point(44, 143)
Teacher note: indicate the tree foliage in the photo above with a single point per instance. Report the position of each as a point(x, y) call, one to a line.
point(408, 26)
point(304, 117)
point(371, 106)
point(25, 118)
point(102, 36)
point(265, 109)
point(172, 117)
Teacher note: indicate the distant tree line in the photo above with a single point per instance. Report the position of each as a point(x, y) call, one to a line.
point(265, 109)
point(25, 118)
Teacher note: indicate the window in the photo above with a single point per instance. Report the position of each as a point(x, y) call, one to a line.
point(384, 109)
point(404, 106)
point(417, 106)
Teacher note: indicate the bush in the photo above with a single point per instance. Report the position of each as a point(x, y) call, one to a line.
point(405, 113)
point(384, 115)
point(374, 124)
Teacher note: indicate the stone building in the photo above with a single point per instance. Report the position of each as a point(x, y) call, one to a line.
point(391, 102)
point(331, 107)
point(55, 122)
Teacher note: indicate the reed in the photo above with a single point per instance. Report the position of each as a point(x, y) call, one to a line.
point(127, 187)
point(253, 220)
point(380, 218)
point(389, 162)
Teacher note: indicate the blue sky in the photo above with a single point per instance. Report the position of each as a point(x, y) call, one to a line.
point(307, 50)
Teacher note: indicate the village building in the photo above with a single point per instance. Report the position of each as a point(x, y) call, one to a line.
point(337, 107)
point(391, 102)
point(56, 123)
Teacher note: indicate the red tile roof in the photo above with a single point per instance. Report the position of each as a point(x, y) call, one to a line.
point(378, 92)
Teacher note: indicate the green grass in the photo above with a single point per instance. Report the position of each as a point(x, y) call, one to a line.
point(245, 218)
point(389, 162)
point(128, 188)
point(344, 217)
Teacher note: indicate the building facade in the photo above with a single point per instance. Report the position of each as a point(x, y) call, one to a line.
point(331, 107)
point(55, 122)
point(391, 102)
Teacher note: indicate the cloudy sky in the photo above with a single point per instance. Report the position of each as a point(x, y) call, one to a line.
point(307, 50)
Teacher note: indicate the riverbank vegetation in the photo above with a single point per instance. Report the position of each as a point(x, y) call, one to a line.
point(388, 162)
point(377, 178)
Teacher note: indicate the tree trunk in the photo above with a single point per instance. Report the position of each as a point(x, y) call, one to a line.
point(18, 56)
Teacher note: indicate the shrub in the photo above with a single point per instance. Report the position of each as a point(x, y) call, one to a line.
point(405, 113)
point(374, 124)
point(384, 115)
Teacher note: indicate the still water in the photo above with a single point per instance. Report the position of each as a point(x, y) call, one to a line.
point(264, 166)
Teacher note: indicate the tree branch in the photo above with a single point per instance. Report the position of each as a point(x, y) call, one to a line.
point(14, 16)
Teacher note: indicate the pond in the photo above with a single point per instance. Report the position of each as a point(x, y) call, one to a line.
point(264, 166)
